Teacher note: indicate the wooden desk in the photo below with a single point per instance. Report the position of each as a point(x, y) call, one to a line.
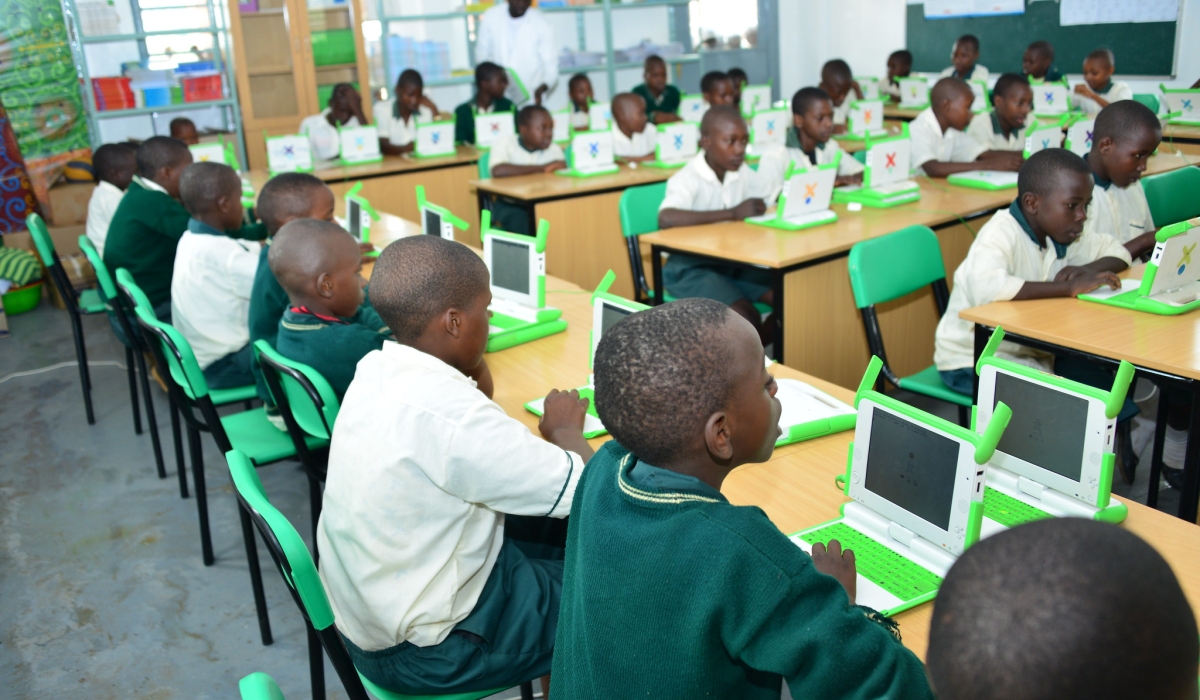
point(1184, 138)
point(892, 110)
point(1165, 349)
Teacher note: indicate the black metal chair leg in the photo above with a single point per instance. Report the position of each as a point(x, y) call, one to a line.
point(84, 376)
point(964, 416)
point(314, 507)
point(260, 598)
point(131, 370)
point(316, 663)
point(151, 416)
point(180, 466)
point(527, 691)
point(1160, 434)
point(201, 494)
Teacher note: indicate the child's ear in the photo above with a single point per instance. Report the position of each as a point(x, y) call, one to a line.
point(452, 320)
point(717, 437)
point(798, 121)
point(1105, 145)
point(1030, 202)
point(325, 285)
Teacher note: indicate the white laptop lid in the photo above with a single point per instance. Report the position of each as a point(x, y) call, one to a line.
point(592, 150)
point(913, 92)
point(981, 104)
point(514, 267)
point(1079, 136)
point(1178, 261)
point(289, 153)
point(678, 142)
point(562, 125)
point(208, 153)
point(605, 314)
point(359, 143)
point(869, 87)
point(599, 116)
point(755, 98)
point(866, 117)
point(435, 138)
point(490, 127)
point(1187, 102)
point(1043, 137)
point(1051, 98)
point(769, 127)
point(889, 161)
point(434, 224)
point(808, 191)
point(692, 108)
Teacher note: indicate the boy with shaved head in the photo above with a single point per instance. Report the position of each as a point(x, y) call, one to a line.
point(1098, 90)
point(1038, 63)
point(634, 137)
point(940, 145)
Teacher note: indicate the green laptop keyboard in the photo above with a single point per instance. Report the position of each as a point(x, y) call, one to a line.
point(1008, 511)
point(1126, 297)
point(878, 564)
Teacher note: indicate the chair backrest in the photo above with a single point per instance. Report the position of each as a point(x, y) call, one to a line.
point(176, 350)
point(1173, 196)
point(107, 286)
point(259, 686)
point(1148, 99)
point(485, 158)
point(300, 389)
point(860, 156)
point(895, 265)
point(639, 208)
point(42, 240)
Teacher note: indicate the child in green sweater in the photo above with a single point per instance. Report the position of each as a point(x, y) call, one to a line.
point(669, 591)
point(326, 326)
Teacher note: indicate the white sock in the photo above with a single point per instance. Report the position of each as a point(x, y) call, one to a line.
point(1174, 447)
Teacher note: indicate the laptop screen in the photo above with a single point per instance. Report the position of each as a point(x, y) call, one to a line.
point(912, 466)
point(610, 314)
point(354, 218)
point(510, 265)
point(1047, 428)
point(433, 222)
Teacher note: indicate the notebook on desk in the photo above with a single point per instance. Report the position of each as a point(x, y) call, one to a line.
point(1171, 282)
point(1057, 454)
point(804, 202)
point(517, 267)
point(916, 482)
point(590, 154)
point(984, 179)
point(886, 181)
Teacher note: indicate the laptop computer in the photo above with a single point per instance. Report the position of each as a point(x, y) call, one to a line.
point(489, 128)
point(435, 220)
point(1051, 99)
point(984, 179)
point(360, 144)
point(517, 266)
point(755, 98)
point(590, 154)
point(886, 180)
point(1043, 136)
point(607, 310)
point(916, 483)
point(1170, 284)
point(1057, 455)
point(804, 202)
point(1080, 131)
point(914, 93)
point(768, 127)
point(600, 116)
point(981, 102)
point(359, 215)
point(435, 139)
point(1186, 101)
point(562, 126)
point(869, 87)
point(677, 143)
point(692, 108)
point(864, 119)
point(809, 412)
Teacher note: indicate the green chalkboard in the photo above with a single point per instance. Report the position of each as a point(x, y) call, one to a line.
point(1141, 49)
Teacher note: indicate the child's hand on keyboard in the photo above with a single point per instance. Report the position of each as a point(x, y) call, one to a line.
point(838, 564)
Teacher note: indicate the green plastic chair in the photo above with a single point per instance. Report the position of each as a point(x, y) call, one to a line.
point(77, 303)
point(860, 156)
point(1173, 196)
point(1148, 99)
point(259, 686)
point(891, 267)
point(299, 572)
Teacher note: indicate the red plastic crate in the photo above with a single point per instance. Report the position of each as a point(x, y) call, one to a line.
point(113, 93)
point(202, 89)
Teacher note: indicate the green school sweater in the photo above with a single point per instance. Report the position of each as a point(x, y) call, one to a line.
point(464, 118)
point(669, 591)
point(145, 229)
point(332, 346)
point(668, 101)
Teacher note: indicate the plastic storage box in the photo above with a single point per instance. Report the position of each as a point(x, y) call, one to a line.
point(333, 46)
point(202, 88)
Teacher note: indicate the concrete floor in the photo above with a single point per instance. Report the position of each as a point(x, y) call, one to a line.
point(104, 591)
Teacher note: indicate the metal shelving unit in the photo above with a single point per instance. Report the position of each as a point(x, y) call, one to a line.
point(218, 28)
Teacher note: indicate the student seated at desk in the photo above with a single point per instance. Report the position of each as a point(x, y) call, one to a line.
point(683, 391)
point(966, 53)
point(345, 109)
point(115, 165)
point(717, 185)
point(210, 290)
point(1038, 63)
point(662, 98)
point(838, 82)
point(1061, 608)
point(326, 325)
point(940, 147)
point(529, 151)
point(717, 88)
point(634, 137)
point(1099, 90)
point(491, 82)
point(1038, 248)
point(899, 65)
point(1127, 133)
point(740, 80)
point(184, 129)
point(809, 143)
point(579, 93)
point(1003, 127)
point(443, 525)
point(396, 118)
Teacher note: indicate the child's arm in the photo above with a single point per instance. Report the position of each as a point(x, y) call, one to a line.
point(941, 168)
point(1073, 281)
point(510, 170)
point(482, 375)
point(1002, 160)
point(388, 148)
point(857, 89)
point(1083, 89)
point(1141, 245)
point(665, 117)
point(672, 218)
point(562, 422)
point(426, 102)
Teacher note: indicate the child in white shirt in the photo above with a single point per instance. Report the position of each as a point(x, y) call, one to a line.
point(345, 109)
point(1099, 90)
point(940, 147)
point(899, 65)
point(1003, 127)
point(115, 165)
point(396, 118)
point(529, 151)
point(838, 82)
point(579, 92)
point(964, 57)
point(809, 143)
point(1125, 136)
point(634, 137)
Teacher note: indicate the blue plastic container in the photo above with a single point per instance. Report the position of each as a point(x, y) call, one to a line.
point(156, 97)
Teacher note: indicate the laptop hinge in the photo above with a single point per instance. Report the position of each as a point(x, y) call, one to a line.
point(901, 534)
point(1031, 487)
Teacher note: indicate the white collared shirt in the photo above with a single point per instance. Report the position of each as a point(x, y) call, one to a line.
point(842, 112)
point(508, 149)
point(639, 144)
point(1121, 212)
point(525, 45)
point(101, 207)
point(984, 132)
point(422, 469)
point(772, 167)
point(398, 132)
point(887, 88)
point(210, 293)
point(323, 136)
point(979, 73)
point(1118, 91)
point(696, 187)
point(929, 142)
point(1001, 260)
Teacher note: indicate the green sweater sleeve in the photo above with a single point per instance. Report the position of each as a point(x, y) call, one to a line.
point(464, 124)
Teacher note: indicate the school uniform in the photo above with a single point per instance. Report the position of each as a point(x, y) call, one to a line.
point(391, 126)
point(887, 87)
point(842, 112)
point(1004, 256)
point(210, 302)
point(696, 188)
point(434, 587)
point(506, 214)
point(1120, 212)
point(465, 113)
point(773, 165)
point(323, 137)
point(640, 143)
point(101, 207)
point(929, 142)
point(668, 101)
point(580, 118)
point(1053, 75)
point(331, 345)
point(978, 72)
point(985, 129)
point(1113, 92)
point(751, 614)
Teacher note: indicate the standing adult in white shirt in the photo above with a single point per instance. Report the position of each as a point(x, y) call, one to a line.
point(115, 164)
point(520, 39)
point(345, 109)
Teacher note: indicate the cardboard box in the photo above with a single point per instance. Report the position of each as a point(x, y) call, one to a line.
point(79, 272)
point(66, 239)
point(68, 203)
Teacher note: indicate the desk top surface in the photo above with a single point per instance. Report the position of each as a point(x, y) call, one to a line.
point(541, 186)
point(1181, 131)
point(390, 165)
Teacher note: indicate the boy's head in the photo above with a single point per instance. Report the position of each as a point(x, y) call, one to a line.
point(966, 53)
point(290, 196)
point(629, 112)
point(836, 80)
point(1013, 99)
point(812, 113)
point(717, 88)
point(535, 127)
point(654, 74)
point(723, 136)
point(1126, 135)
point(1054, 188)
point(1038, 58)
point(344, 98)
point(1038, 612)
point(115, 163)
point(318, 264)
point(579, 89)
point(740, 80)
point(1098, 68)
point(409, 89)
point(434, 295)
point(899, 64)
point(684, 383)
point(184, 129)
point(951, 100)
point(212, 193)
point(491, 79)
point(162, 160)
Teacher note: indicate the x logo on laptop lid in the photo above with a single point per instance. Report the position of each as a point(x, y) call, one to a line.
point(593, 148)
point(891, 161)
point(810, 191)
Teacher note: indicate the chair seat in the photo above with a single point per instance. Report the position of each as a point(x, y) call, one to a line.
point(383, 694)
point(929, 383)
point(251, 432)
point(220, 397)
point(90, 302)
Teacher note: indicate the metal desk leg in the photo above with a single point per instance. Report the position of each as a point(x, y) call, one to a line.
point(1191, 461)
point(1160, 434)
point(656, 254)
point(777, 313)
